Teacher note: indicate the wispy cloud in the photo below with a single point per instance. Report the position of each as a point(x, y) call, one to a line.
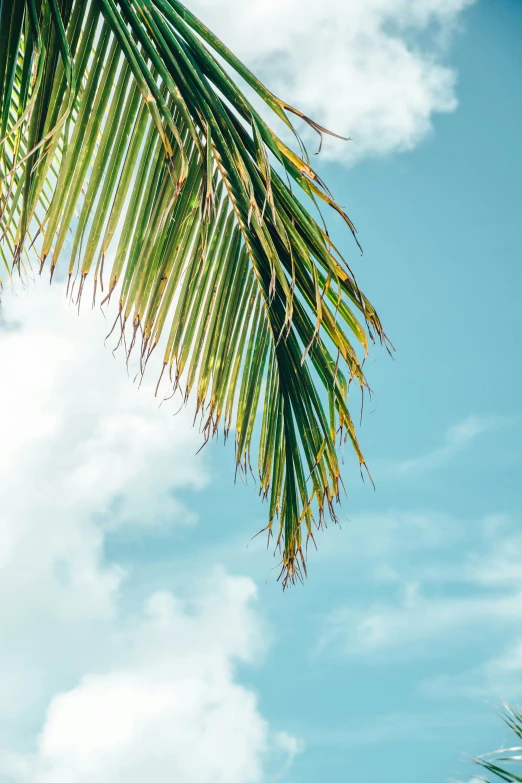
point(439, 599)
point(456, 440)
point(498, 678)
point(392, 727)
point(416, 619)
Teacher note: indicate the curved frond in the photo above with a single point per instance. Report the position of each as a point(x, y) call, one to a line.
point(128, 152)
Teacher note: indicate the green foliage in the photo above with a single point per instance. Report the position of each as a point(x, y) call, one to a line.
point(500, 763)
point(126, 145)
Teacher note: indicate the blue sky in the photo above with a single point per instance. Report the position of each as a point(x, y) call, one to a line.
point(126, 569)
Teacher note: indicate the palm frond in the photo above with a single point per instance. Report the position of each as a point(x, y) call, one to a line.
point(502, 763)
point(127, 146)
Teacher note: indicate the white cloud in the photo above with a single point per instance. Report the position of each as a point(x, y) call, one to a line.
point(373, 70)
point(169, 708)
point(81, 449)
point(90, 431)
point(112, 692)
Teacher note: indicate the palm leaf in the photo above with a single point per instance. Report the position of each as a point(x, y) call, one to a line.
point(499, 763)
point(127, 146)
